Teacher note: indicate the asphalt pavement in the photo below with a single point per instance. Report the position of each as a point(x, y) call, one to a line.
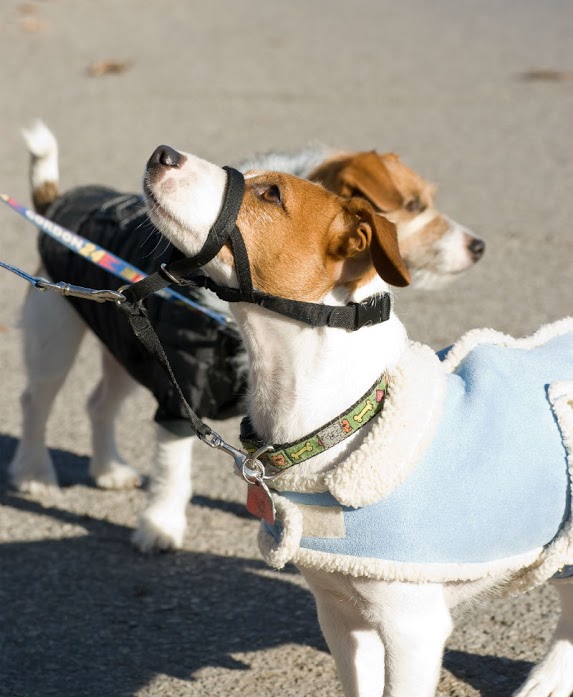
point(476, 96)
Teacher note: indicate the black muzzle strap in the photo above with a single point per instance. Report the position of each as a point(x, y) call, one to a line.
point(223, 230)
point(351, 317)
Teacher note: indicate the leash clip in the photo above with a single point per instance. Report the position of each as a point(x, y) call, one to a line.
point(214, 440)
point(250, 467)
point(63, 288)
point(253, 470)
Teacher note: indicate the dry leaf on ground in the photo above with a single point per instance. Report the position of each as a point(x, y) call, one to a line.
point(547, 75)
point(107, 67)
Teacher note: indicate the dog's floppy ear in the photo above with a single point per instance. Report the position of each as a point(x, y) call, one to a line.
point(366, 175)
point(379, 235)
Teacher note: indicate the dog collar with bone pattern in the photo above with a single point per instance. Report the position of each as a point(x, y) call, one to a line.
point(286, 455)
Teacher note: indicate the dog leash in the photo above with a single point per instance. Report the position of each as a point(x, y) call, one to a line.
point(251, 469)
point(99, 257)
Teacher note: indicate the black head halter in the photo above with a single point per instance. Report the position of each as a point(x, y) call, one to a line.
point(352, 316)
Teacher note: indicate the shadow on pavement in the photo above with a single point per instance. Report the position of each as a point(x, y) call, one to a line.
point(71, 468)
point(90, 616)
point(491, 675)
point(232, 507)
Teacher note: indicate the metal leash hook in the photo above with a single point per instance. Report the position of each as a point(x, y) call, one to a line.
point(254, 470)
point(214, 440)
point(63, 288)
point(250, 467)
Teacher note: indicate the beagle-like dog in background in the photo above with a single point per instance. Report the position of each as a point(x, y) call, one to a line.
point(385, 593)
point(436, 250)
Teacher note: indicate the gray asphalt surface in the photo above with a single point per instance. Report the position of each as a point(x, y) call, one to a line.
point(441, 83)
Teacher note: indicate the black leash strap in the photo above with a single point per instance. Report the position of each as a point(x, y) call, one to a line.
point(142, 328)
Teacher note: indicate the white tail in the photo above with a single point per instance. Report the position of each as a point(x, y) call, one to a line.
point(44, 173)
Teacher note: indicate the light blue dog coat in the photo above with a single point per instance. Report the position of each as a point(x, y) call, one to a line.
point(491, 490)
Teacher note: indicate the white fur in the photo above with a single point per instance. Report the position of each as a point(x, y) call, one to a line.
point(172, 209)
point(416, 224)
point(367, 623)
point(43, 146)
point(162, 524)
point(300, 163)
point(52, 333)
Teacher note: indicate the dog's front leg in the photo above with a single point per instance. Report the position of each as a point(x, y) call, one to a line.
point(163, 522)
point(354, 643)
point(414, 622)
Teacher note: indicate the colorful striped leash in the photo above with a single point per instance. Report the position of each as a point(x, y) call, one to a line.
point(96, 255)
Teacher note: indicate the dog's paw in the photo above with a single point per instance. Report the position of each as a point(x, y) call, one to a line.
point(553, 677)
point(36, 488)
point(117, 476)
point(35, 480)
point(159, 530)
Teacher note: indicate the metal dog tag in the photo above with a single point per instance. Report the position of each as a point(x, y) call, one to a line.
point(260, 502)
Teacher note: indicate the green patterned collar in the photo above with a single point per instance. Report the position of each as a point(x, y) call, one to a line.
point(287, 455)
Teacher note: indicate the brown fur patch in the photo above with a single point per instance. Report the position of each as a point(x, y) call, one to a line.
point(312, 241)
point(44, 195)
point(383, 180)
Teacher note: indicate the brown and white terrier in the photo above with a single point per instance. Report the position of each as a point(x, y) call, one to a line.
point(387, 635)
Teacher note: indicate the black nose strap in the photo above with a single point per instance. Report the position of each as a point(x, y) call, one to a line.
point(223, 230)
point(226, 221)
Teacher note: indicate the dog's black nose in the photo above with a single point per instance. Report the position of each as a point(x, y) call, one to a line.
point(477, 248)
point(166, 156)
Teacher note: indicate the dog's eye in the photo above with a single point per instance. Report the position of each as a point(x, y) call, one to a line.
point(272, 194)
point(415, 206)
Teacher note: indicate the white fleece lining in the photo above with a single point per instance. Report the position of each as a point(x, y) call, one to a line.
point(524, 571)
point(277, 554)
point(387, 570)
point(475, 337)
point(288, 549)
point(400, 436)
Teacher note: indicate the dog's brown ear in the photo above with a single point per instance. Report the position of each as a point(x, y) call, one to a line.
point(366, 175)
point(380, 235)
